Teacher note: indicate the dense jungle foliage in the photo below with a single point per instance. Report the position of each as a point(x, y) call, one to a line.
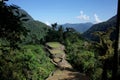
point(95, 59)
point(22, 53)
point(18, 60)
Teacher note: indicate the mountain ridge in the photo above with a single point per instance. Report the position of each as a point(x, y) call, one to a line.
point(79, 27)
point(103, 26)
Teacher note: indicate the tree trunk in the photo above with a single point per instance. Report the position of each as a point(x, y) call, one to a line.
point(117, 46)
point(104, 73)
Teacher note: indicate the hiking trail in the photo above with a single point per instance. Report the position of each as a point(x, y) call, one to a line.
point(64, 69)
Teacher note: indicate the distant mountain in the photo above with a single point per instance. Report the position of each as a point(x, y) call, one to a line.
point(80, 27)
point(101, 27)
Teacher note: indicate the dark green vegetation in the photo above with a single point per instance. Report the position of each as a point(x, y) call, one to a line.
point(29, 63)
point(22, 53)
point(38, 31)
point(11, 28)
point(95, 59)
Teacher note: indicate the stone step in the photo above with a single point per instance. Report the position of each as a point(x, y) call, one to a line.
point(67, 75)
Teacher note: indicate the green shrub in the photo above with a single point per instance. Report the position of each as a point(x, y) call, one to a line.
point(29, 63)
point(83, 59)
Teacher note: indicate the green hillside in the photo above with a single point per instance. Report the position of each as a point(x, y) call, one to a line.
point(37, 31)
point(103, 26)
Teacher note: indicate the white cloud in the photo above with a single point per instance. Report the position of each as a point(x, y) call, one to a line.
point(83, 16)
point(97, 20)
point(47, 23)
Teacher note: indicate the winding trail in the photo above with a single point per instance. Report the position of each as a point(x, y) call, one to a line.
point(64, 69)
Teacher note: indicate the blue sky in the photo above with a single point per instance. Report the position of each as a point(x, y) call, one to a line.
point(68, 11)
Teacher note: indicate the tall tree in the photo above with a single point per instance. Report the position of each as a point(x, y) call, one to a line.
point(60, 33)
point(11, 28)
point(105, 49)
point(117, 46)
point(54, 26)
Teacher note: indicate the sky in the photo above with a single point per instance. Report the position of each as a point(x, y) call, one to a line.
point(68, 11)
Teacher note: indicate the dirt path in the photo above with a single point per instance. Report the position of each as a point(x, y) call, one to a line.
point(67, 75)
point(64, 69)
